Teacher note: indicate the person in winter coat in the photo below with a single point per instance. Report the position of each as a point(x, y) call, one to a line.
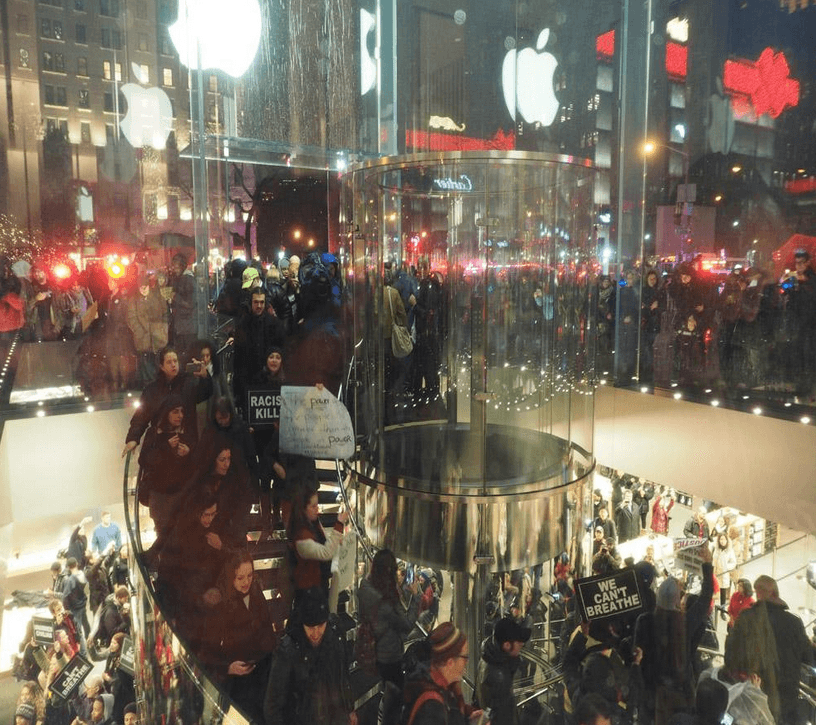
point(118, 682)
point(229, 299)
point(240, 636)
point(741, 599)
point(183, 305)
point(660, 513)
point(725, 561)
point(309, 679)
point(102, 710)
point(627, 518)
point(12, 305)
point(497, 667)
point(381, 605)
point(193, 388)
point(164, 462)
point(667, 638)
point(146, 317)
point(770, 641)
point(433, 689)
point(114, 618)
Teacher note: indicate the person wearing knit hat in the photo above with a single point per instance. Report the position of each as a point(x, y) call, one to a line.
point(25, 714)
point(436, 697)
point(498, 666)
point(309, 676)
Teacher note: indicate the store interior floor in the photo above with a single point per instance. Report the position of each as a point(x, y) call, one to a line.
point(30, 571)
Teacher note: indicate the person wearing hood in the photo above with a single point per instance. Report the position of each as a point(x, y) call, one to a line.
point(335, 286)
point(229, 299)
point(102, 710)
point(227, 424)
point(500, 660)
point(164, 461)
point(771, 641)
point(381, 606)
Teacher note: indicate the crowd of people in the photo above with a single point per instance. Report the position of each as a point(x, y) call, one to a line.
point(741, 331)
point(89, 601)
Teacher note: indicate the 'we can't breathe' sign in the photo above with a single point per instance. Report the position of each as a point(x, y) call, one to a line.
point(605, 597)
point(314, 423)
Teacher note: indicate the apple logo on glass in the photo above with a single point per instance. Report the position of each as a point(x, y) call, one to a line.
point(226, 34)
point(149, 117)
point(368, 63)
point(527, 82)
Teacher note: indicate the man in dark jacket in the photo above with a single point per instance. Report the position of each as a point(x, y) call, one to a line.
point(697, 526)
point(500, 660)
point(193, 388)
point(775, 655)
point(255, 334)
point(627, 518)
point(309, 679)
point(183, 307)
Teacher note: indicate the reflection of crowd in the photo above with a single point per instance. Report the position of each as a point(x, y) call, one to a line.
point(744, 330)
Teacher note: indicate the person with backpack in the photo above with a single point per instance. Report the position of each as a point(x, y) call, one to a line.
point(384, 621)
point(433, 690)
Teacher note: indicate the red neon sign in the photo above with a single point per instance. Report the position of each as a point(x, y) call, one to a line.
point(605, 45)
point(446, 142)
point(764, 85)
point(676, 61)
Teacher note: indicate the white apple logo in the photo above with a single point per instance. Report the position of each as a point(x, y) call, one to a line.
point(527, 82)
point(227, 34)
point(368, 64)
point(149, 117)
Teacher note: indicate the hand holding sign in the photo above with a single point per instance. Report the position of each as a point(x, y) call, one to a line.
point(314, 423)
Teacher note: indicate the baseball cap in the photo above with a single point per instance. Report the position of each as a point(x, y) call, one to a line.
point(250, 274)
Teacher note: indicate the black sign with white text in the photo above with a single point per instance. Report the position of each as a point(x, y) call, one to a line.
point(126, 659)
point(612, 595)
point(43, 630)
point(70, 677)
point(263, 405)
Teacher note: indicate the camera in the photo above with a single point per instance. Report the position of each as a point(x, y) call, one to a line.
point(193, 367)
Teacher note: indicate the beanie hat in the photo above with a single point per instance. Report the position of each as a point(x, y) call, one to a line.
point(131, 709)
point(446, 641)
point(509, 630)
point(314, 609)
point(27, 711)
point(283, 264)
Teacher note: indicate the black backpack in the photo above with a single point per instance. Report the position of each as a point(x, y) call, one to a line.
point(315, 283)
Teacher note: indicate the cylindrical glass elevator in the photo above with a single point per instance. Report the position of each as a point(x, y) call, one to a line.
point(474, 446)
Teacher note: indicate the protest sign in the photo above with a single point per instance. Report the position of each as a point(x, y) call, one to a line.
point(43, 630)
point(263, 405)
point(70, 677)
point(127, 658)
point(608, 596)
point(314, 423)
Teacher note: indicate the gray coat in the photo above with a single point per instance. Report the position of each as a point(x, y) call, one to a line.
point(391, 621)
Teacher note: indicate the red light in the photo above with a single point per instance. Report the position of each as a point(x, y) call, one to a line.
point(766, 83)
point(446, 142)
point(116, 270)
point(676, 61)
point(800, 186)
point(62, 271)
point(605, 45)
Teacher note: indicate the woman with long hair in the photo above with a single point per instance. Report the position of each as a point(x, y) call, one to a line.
point(312, 547)
point(381, 608)
point(741, 599)
point(725, 561)
point(241, 636)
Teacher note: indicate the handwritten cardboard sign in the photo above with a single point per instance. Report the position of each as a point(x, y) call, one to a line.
point(43, 630)
point(314, 423)
point(263, 405)
point(612, 595)
point(70, 677)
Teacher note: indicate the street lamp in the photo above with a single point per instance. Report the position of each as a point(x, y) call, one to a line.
point(649, 148)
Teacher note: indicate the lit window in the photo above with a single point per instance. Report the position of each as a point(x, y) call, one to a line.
point(167, 76)
point(106, 70)
point(144, 69)
point(117, 70)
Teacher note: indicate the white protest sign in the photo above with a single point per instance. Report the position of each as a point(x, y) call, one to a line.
point(314, 423)
point(347, 560)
